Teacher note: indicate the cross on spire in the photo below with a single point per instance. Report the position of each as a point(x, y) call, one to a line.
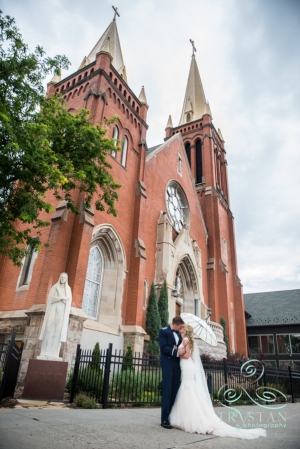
point(194, 48)
point(116, 12)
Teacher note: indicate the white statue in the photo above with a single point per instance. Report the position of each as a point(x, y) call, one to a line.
point(55, 325)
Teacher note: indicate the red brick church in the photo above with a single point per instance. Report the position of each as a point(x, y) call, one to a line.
point(174, 223)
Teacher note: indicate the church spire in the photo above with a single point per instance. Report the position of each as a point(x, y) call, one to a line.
point(110, 43)
point(142, 97)
point(194, 105)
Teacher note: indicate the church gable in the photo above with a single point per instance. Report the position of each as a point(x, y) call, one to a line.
point(169, 161)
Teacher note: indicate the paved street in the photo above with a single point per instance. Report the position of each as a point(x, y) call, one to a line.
point(134, 428)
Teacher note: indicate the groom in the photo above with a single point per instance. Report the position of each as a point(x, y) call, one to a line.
point(169, 339)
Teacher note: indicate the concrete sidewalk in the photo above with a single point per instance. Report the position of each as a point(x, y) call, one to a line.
point(137, 428)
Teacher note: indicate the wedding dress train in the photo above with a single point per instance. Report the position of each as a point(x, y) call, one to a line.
point(193, 410)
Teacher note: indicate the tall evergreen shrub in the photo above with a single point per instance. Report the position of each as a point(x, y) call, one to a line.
point(163, 307)
point(96, 357)
point(128, 360)
point(153, 323)
point(226, 341)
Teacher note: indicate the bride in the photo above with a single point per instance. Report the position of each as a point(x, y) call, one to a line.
point(193, 410)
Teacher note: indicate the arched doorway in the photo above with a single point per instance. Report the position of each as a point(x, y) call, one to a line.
point(187, 292)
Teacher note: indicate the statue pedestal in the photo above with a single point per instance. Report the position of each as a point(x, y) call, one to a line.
point(45, 379)
point(44, 357)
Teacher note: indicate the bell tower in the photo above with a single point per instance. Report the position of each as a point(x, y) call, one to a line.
point(100, 85)
point(205, 150)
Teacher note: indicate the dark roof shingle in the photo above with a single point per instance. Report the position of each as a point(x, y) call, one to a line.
point(273, 308)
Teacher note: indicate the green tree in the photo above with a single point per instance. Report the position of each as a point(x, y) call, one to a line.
point(128, 360)
point(153, 323)
point(96, 357)
point(43, 147)
point(226, 341)
point(163, 307)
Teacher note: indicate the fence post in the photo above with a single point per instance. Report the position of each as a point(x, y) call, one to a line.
point(291, 383)
point(210, 383)
point(264, 375)
point(7, 364)
point(225, 375)
point(106, 375)
point(75, 373)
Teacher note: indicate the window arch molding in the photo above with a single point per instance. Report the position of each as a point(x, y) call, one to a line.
point(124, 151)
point(146, 293)
point(186, 283)
point(112, 266)
point(27, 267)
point(187, 146)
point(115, 136)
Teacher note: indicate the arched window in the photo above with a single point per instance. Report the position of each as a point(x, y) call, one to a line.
point(124, 151)
point(27, 266)
point(199, 167)
point(188, 117)
point(91, 295)
point(188, 152)
point(115, 137)
point(179, 164)
point(145, 293)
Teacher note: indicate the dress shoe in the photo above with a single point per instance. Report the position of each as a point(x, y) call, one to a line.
point(166, 425)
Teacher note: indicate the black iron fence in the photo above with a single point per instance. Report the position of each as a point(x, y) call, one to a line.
point(241, 381)
point(114, 379)
point(10, 357)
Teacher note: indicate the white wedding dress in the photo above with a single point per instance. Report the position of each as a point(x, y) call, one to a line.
point(193, 410)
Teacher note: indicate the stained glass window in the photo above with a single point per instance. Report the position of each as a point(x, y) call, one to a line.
point(91, 295)
point(176, 206)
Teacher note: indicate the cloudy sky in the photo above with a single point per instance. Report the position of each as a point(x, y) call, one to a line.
point(249, 61)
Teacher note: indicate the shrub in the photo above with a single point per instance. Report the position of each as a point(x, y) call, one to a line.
point(163, 307)
point(237, 358)
point(82, 400)
point(90, 381)
point(205, 357)
point(279, 387)
point(128, 360)
point(153, 323)
point(153, 349)
point(223, 324)
point(129, 386)
point(96, 358)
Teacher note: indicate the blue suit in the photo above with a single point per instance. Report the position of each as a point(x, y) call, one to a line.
point(170, 365)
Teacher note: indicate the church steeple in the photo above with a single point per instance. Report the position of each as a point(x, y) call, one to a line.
point(109, 42)
point(195, 104)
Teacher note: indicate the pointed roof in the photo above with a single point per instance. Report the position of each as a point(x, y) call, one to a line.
point(110, 43)
point(194, 103)
point(56, 78)
point(220, 135)
point(142, 97)
point(170, 123)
